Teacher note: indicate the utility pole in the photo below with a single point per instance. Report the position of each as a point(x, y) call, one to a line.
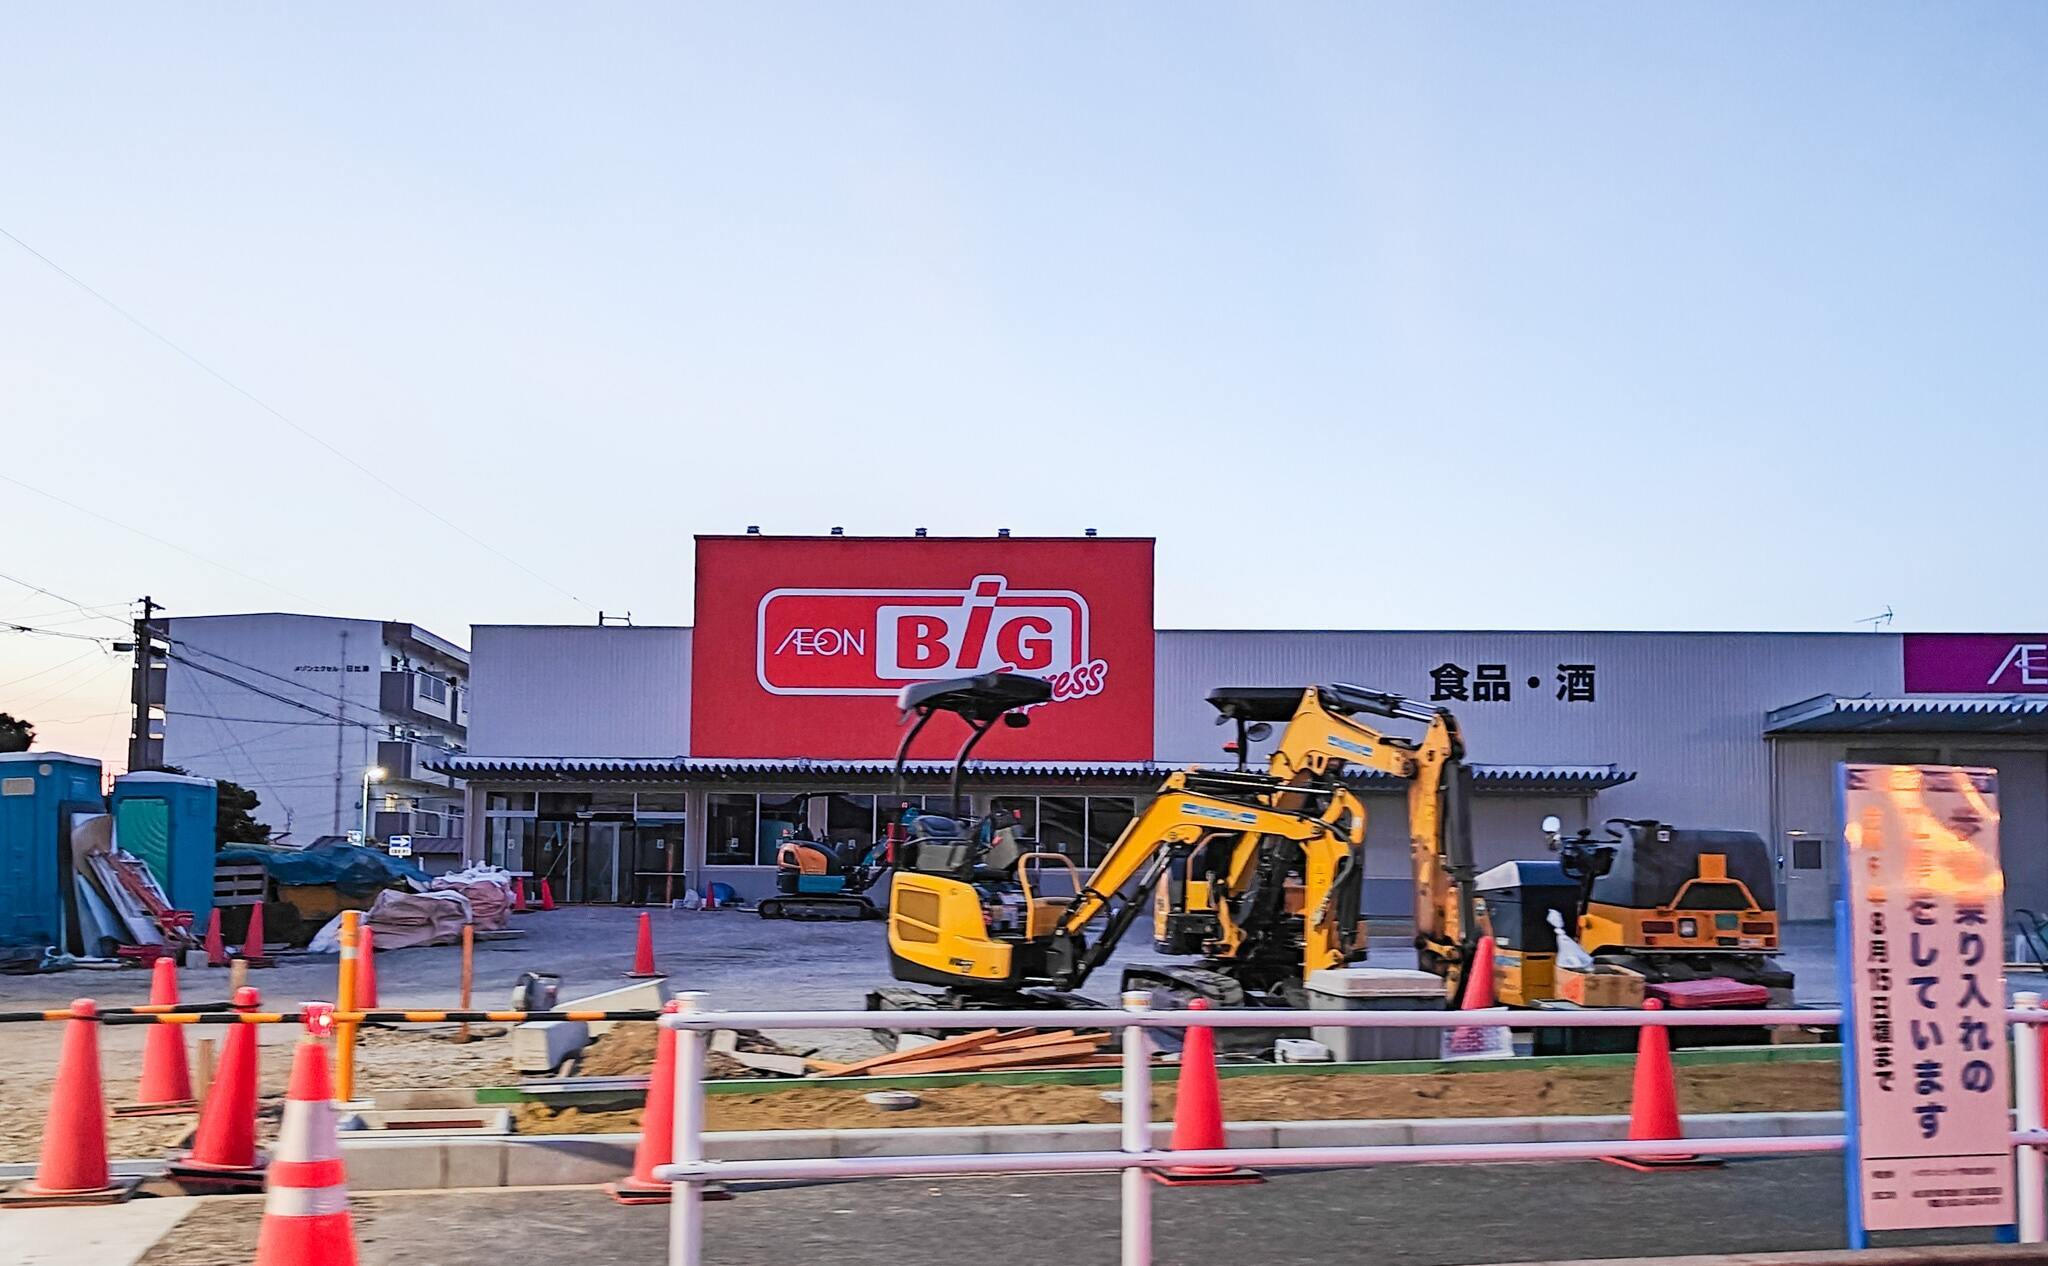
point(146, 690)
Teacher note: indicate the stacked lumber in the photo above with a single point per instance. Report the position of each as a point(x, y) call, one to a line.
point(987, 1050)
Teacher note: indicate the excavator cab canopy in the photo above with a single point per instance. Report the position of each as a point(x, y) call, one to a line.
point(980, 698)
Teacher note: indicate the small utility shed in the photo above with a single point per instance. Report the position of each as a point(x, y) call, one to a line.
point(168, 820)
point(1809, 738)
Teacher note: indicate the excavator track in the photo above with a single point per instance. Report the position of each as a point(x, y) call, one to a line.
point(818, 909)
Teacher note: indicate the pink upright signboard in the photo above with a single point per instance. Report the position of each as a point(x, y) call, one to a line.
point(1976, 663)
point(1927, 996)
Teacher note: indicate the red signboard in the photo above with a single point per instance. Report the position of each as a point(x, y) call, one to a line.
point(1976, 663)
point(802, 643)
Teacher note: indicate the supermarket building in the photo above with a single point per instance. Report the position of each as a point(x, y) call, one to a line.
point(628, 764)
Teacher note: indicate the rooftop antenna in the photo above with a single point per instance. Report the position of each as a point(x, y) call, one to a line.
point(1882, 620)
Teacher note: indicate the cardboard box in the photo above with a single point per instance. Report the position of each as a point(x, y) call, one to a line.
point(1604, 986)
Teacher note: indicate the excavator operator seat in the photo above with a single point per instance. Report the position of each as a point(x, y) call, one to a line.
point(937, 846)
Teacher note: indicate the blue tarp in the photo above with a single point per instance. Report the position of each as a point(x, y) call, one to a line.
point(349, 867)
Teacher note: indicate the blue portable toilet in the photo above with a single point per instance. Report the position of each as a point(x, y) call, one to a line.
point(41, 795)
point(168, 821)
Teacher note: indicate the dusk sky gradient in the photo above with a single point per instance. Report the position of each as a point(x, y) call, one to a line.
point(1377, 316)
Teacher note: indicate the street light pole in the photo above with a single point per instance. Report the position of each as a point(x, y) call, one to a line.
point(374, 773)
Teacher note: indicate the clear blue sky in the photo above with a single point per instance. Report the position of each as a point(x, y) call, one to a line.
point(1584, 315)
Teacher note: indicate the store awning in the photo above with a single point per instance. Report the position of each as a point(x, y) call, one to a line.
point(1830, 714)
point(1486, 779)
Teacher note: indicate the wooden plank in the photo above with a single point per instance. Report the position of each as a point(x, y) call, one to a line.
point(975, 1061)
point(1060, 1037)
point(948, 1046)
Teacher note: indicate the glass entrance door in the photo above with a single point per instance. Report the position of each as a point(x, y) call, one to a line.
point(594, 863)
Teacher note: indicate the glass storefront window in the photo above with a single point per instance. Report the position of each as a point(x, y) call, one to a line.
point(505, 840)
point(850, 822)
point(1107, 818)
point(1061, 826)
point(610, 800)
point(782, 815)
point(662, 802)
point(1017, 811)
point(731, 823)
point(509, 802)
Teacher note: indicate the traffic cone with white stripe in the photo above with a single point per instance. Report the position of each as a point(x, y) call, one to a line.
point(305, 1203)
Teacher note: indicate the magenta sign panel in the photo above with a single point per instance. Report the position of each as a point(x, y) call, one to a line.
point(1977, 663)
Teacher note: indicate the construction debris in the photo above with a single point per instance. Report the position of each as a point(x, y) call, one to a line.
point(987, 1050)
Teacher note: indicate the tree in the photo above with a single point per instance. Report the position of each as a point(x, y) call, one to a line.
point(233, 817)
point(16, 735)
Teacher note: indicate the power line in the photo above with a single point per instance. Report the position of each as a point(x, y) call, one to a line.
point(344, 700)
point(268, 694)
point(51, 669)
point(76, 606)
point(148, 536)
point(308, 434)
point(76, 637)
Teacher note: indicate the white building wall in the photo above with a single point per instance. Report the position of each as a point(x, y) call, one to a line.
point(297, 726)
point(1684, 710)
point(579, 690)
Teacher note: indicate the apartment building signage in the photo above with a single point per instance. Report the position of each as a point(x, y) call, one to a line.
point(802, 644)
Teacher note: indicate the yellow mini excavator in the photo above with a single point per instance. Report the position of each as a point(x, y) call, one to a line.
point(1266, 867)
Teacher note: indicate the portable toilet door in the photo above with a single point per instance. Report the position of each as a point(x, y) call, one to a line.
point(41, 795)
point(168, 820)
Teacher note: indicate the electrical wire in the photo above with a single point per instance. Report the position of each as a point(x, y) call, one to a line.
point(76, 637)
point(268, 694)
point(305, 432)
point(51, 669)
point(76, 606)
point(149, 536)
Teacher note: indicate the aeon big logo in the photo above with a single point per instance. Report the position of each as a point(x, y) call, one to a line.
point(874, 641)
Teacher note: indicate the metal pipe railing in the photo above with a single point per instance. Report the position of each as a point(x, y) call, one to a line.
point(1136, 1157)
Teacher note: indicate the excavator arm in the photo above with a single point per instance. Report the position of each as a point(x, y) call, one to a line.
point(1179, 818)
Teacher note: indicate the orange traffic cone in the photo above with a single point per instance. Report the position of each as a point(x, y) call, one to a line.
point(1198, 1113)
point(366, 970)
point(216, 952)
point(252, 948)
point(657, 1132)
point(1653, 1102)
point(74, 1165)
point(547, 895)
point(223, 1156)
point(305, 1205)
point(1479, 993)
point(166, 1079)
point(519, 896)
point(643, 952)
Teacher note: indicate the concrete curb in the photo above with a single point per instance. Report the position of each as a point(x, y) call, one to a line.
point(414, 1161)
point(421, 1161)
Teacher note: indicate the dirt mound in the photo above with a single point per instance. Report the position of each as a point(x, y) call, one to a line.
point(628, 1051)
point(1789, 1087)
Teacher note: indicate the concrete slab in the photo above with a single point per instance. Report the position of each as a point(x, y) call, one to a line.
point(378, 1163)
point(916, 1141)
point(567, 1160)
point(647, 995)
point(106, 1235)
point(1477, 1130)
point(1579, 1129)
point(540, 1046)
point(473, 1162)
point(1342, 1133)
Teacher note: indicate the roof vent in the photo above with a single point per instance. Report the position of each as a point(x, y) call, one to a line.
point(1002, 531)
point(753, 529)
point(839, 531)
point(921, 531)
point(1087, 531)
